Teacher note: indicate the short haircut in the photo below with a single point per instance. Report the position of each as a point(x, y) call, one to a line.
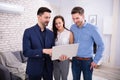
point(41, 10)
point(77, 9)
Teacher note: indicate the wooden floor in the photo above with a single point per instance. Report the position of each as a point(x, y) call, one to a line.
point(107, 73)
point(101, 73)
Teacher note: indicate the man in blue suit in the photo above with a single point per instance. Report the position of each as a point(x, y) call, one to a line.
point(37, 44)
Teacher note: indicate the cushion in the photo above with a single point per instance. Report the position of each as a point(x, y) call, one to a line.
point(10, 58)
point(4, 73)
point(2, 61)
point(24, 59)
point(18, 55)
point(13, 64)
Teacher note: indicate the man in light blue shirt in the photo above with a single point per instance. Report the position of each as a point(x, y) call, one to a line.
point(85, 34)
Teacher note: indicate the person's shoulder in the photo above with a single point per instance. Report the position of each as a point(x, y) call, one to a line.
point(73, 26)
point(30, 28)
point(49, 31)
point(67, 31)
point(91, 26)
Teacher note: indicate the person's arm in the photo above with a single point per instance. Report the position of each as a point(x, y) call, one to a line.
point(71, 40)
point(27, 50)
point(47, 51)
point(99, 42)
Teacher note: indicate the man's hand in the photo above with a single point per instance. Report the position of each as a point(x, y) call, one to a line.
point(63, 57)
point(93, 65)
point(47, 51)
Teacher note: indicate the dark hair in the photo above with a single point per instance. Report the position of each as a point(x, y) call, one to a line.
point(54, 27)
point(79, 10)
point(41, 10)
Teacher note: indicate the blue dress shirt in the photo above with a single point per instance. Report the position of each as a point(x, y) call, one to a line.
point(86, 36)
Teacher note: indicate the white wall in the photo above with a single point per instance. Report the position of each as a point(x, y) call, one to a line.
point(117, 63)
point(65, 10)
point(13, 25)
point(118, 49)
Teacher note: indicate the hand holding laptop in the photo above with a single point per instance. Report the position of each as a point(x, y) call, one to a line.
point(69, 50)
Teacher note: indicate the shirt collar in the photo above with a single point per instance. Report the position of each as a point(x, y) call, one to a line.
point(84, 25)
point(40, 28)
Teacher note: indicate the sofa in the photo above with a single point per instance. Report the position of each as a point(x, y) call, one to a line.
point(12, 65)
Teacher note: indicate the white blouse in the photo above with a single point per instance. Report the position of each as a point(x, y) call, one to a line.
point(62, 38)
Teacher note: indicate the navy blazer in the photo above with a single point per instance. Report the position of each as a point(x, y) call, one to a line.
point(32, 48)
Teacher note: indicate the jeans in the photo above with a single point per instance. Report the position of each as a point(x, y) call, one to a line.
point(79, 66)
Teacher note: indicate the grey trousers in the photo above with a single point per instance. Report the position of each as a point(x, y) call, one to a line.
point(61, 69)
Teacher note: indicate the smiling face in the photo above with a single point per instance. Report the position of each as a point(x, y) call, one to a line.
point(59, 24)
point(78, 16)
point(78, 19)
point(44, 18)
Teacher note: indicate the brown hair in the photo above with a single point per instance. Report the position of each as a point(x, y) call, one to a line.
point(54, 26)
point(79, 10)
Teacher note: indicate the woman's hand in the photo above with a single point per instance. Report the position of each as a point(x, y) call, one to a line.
point(63, 57)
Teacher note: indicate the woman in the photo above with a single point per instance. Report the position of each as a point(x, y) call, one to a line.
point(62, 36)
